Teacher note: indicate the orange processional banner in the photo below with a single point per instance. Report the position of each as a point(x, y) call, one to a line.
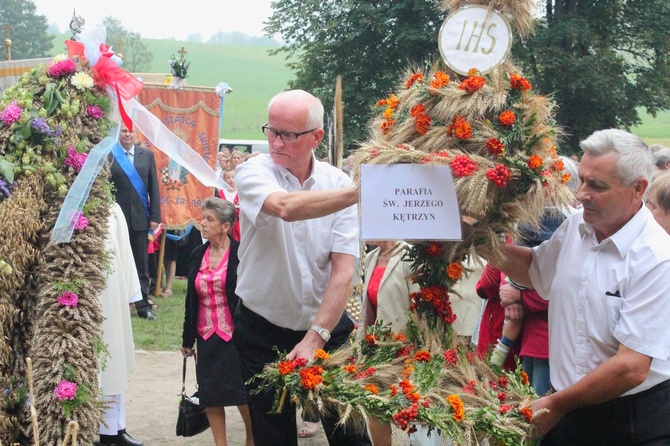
point(192, 115)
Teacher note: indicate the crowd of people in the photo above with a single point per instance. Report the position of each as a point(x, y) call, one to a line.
point(579, 302)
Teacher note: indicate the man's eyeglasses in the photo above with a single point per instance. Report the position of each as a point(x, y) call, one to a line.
point(285, 136)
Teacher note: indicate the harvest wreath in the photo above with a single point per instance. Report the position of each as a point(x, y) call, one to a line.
point(499, 139)
point(49, 307)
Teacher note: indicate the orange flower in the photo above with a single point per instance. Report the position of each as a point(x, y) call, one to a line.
point(406, 386)
point(565, 177)
point(422, 356)
point(535, 162)
point(286, 367)
point(311, 377)
point(408, 369)
point(321, 354)
point(495, 147)
point(371, 339)
point(388, 113)
point(413, 397)
point(460, 128)
point(421, 118)
point(387, 125)
point(454, 270)
point(472, 84)
point(553, 153)
point(526, 412)
point(524, 378)
point(416, 77)
point(372, 389)
point(457, 406)
point(473, 72)
point(394, 390)
point(400, 337)
point(392, 101)
point(517, 82)
point(440, 79)
point(350, 369)
point(507, 118)
point(558, 166)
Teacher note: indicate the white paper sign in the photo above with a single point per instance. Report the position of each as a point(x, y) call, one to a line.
point(408, 202)
point(475, 37)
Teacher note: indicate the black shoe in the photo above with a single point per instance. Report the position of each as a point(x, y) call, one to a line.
point(146, 314)
point(124, 439)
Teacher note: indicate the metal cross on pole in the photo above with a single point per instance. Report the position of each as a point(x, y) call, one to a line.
point(182, 52)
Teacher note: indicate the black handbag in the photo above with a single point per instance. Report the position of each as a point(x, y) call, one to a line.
point(192, 419)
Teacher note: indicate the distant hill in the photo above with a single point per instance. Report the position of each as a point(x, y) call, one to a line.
point(253, 75)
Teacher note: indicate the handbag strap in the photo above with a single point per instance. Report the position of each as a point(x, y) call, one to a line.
point(183, 373)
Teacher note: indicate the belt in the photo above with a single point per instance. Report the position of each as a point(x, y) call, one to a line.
point(260, 322)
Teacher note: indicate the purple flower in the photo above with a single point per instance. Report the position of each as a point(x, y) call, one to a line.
point(75, 159)
point(68, 299)
point(11, 114)
point(82, 222)
point(59, 131)
point(62, 68)
point(6, 188)
point(95, 111)
point(66, 390)
point(40, 124)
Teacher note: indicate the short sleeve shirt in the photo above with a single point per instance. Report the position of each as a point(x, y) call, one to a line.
point(285, 266)
point(605, 294)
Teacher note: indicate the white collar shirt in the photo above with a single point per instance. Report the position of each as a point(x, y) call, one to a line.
point(285, 266)
point(130, 153)
point(605, 294)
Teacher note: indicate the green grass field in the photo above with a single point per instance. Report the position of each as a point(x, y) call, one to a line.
point(164, 333)
point(654, 130)
point(256, 76)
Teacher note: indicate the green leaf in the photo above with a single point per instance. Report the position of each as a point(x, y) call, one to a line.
point(7, 169)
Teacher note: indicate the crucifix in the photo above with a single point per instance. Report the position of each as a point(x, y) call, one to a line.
point(182, 52)
point(8, 41)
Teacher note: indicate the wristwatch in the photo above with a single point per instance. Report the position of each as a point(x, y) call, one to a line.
point(322, 332)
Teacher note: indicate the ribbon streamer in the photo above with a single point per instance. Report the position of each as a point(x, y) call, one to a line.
point(170, 144)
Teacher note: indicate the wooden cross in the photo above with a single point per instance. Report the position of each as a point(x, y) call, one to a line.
point(182, 52)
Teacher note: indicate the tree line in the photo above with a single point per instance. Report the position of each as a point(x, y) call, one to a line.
point(600, 61)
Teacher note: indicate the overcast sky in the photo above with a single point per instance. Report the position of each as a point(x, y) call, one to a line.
point(156, 19)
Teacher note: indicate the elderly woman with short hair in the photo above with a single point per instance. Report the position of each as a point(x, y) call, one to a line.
point(208, 319)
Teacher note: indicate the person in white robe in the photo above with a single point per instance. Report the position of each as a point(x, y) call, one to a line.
point(123, 288)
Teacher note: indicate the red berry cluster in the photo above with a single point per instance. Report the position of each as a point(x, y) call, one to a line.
point(498, 175)
point(405, 416)
point(369, 371)
point(463, 166)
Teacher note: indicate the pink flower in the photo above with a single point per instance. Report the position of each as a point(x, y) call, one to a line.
point(62, 68)
point(82, 222)
point(68, 299)
point(94, 111)
point(75, 159)
point(66, 390)
point(11, 114)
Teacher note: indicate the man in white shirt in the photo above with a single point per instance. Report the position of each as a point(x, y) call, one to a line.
point(299, 241)
point(605, 273)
